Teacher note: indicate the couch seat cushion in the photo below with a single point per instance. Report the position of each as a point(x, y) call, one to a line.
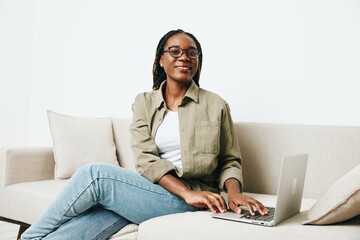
point(25, 202)
point(200, 226)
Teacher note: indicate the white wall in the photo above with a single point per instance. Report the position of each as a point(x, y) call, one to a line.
point(274, 61)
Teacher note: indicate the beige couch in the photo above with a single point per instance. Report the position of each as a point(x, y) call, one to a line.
point(27, 183)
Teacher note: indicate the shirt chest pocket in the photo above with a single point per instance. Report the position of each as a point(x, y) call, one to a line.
point(207, 137)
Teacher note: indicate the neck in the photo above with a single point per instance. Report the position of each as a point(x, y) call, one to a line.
point(173, 94)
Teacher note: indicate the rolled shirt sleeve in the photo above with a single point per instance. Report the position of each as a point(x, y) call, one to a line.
point(145, 152)
point(230, 155)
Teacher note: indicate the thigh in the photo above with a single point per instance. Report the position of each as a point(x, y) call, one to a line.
point(133, 196)
point(96, 223)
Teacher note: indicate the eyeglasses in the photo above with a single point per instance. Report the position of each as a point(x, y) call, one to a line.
point(177, 52)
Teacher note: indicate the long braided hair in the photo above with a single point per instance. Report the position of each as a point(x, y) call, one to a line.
point(159, 74)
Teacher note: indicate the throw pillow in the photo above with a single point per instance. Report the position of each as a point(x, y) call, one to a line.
point(78, 141)
point(339, 203)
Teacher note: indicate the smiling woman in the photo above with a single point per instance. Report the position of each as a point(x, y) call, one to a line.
point(169, 43)
point(179, 67)
point(186, 152)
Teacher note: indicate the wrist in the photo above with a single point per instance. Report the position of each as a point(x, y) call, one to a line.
point(185, 193)
point(233, 186)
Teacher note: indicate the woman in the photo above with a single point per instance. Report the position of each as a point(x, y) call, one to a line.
point(185, 149)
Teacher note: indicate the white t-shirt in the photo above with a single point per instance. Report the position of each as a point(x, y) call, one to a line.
point(167, 138)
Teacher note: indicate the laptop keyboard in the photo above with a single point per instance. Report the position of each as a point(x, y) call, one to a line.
point(260, 217)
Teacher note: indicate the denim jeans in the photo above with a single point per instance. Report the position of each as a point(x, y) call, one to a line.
point(99, 200)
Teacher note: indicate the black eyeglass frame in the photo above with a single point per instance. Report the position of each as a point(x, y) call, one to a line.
point(182, 52)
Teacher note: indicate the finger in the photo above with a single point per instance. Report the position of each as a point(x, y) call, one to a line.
point(217, 204)
point(261, 208)
point(223, 203)
point(212, 205)
point(220, 202)
point(235, 208)
point(238, 210)
point(250, 208)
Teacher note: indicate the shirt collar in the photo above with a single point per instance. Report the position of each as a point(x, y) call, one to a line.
point(191, 94)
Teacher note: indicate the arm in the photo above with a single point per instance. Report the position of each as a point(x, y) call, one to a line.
point(231, 171)
point(200, 199)
point(230, 155)
point(146, 155)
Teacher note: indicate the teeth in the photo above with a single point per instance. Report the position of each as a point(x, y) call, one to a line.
point(184, 68)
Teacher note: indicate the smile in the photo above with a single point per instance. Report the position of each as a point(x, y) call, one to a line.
point(183, 67)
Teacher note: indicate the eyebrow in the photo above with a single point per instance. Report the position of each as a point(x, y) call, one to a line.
point(180, 47)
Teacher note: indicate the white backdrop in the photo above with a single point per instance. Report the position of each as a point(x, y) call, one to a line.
point(282, 61)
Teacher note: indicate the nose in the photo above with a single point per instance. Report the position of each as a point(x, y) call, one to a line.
point(184, 56)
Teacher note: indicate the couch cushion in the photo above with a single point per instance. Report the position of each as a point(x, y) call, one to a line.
point(121, 128)
point(78, 141)
point(129, 232)
point(200, 226)
point(333, 151)
point(340, 202)
point(25, 202)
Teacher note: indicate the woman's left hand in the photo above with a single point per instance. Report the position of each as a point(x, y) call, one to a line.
point(237, 199)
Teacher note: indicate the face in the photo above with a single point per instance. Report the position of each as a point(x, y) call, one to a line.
point(183, 68)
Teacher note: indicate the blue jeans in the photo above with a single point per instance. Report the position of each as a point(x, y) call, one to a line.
point(99, 200)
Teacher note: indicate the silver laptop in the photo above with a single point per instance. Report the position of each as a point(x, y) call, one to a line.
point(290, 192)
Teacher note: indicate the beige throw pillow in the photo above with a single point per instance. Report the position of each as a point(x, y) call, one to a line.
point(339, 203)
point(78, 141)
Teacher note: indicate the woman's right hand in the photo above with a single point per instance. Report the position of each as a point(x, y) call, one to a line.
point(205, 199)
point(201, 199)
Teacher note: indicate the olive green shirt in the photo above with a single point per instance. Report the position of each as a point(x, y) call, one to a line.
point(210, 151)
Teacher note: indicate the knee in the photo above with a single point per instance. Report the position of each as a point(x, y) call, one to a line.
point(102, 170)
point(92, 168)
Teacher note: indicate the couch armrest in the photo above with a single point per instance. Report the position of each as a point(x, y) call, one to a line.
point(26, 164)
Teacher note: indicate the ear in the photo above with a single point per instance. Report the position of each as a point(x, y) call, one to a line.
point(161, 61)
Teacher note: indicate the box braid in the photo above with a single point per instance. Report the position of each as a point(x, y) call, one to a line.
point(158, 72)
